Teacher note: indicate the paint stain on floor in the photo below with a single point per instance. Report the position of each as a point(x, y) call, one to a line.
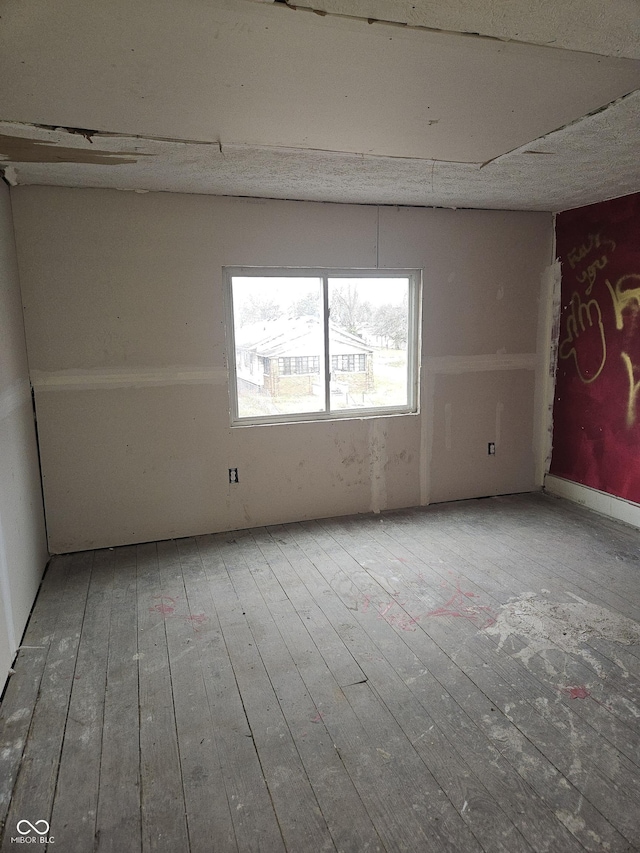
point(569, 626)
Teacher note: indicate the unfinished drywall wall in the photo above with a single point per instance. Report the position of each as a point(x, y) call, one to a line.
point(484, 275)
point(23, 553)
point(125, 324)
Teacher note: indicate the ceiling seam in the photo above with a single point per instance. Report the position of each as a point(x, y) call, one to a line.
point(521, 149)
point(424, 28)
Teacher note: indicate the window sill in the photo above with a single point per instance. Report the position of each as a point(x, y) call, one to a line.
point(318, 418)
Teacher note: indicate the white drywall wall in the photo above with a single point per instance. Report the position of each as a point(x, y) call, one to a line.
point(125, 326)
point(23, 553)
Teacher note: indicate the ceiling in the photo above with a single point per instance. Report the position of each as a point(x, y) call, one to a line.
point(519, 105)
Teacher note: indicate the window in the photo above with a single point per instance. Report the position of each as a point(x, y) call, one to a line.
point(299, 364)
point(349, 363)
point(310, 344)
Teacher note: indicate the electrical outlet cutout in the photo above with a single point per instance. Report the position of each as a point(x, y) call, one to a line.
point(491, 448)
point(233, 475)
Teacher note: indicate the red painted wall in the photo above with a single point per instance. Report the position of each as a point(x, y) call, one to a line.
point(596, 414)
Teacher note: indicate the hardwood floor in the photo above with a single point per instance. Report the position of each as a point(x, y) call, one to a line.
point(464, 677)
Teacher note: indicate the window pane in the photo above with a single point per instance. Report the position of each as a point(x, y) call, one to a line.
point(368, 342)
point(279, 345)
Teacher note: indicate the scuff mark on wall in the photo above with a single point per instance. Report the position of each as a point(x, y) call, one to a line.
point(426, 435)
point(447, 426)
point(5, 588)
point(555, 275)
point(377, 464)
point(131, 377)
point(547, 345)
point(12, 398)
point(498, 430)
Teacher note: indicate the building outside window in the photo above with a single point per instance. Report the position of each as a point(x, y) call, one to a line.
point(322, 343)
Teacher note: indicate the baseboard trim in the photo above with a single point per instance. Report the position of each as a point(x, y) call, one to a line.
point(609, 505)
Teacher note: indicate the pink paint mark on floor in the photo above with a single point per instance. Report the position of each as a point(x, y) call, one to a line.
point(577, 692)
point(583, 692)
point(399, 619)
point(480, 614)
point(393, 612)
point(318, 718)
point(383, 612)
point(196, 619)
point(161, 607)
point(408, 623)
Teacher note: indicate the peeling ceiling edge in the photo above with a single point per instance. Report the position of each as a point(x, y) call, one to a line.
point(521, 149)
point(9, 175)
point(91, 135)
point(405, 25)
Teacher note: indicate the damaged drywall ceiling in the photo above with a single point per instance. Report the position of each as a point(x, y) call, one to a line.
point(24, 149)
point(242, 98)
point(595, 159)
point(252, 74)
point(609, 29)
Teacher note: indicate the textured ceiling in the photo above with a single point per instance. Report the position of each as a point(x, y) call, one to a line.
point(235, 97)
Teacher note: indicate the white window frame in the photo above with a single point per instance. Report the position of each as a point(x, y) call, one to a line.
point(414, 277)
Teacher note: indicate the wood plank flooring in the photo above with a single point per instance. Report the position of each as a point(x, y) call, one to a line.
point(460, 678)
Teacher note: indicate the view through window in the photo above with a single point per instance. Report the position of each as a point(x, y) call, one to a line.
point(322, 343)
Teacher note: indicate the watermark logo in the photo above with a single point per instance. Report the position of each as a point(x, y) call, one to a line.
point(31, 827)
point(33, 833)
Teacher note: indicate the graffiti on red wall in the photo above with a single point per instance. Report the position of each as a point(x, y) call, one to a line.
point(596, 437)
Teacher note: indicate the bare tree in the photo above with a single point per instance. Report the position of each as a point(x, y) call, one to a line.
point(308, 306)
point(348, 310)
point(390, 324)
point(255, 309)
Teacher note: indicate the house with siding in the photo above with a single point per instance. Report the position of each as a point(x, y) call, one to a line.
point(282, 358)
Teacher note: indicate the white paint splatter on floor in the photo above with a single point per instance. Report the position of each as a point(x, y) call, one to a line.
point(544, 625)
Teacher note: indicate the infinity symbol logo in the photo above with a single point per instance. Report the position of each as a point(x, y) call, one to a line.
point(32, 827)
